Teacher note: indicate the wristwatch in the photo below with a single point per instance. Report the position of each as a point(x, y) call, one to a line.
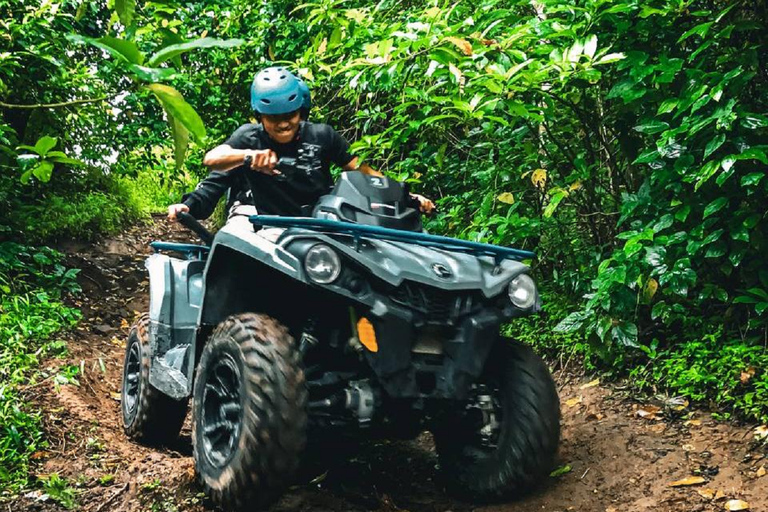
point(247, 161)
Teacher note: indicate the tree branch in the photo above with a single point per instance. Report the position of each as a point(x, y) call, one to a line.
point(53, 105)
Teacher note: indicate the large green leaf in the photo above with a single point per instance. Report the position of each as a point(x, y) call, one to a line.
point(125, 11)
point(714, 144)
point(715, 206)
point(652, 127)
point(557, 196)
point(174, 50)
point(180, 139)
point(152, 74)
point(119, 48)
point(45, 144)
point(173, 102)
point(753, 154)
point(43, 171)
point(625, 333)
point(60, 158)
point(572, 322)
point(127, 48)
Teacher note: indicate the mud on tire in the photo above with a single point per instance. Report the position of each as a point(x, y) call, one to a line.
point(523, 451)
point(250, 417)
point(148, 415)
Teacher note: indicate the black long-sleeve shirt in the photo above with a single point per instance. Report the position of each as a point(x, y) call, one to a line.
point(269, 195)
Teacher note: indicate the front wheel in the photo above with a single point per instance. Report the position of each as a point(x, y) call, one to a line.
point(250, 415)
point(504, 442)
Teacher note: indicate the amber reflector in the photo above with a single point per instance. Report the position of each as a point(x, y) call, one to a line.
point(367, 335)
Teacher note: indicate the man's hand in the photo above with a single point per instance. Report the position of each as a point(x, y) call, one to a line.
point(175, 209)
point(264, 161)
point(425, 205)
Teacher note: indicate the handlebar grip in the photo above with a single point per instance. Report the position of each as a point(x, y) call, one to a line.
point(283, 164)
point(192, 223)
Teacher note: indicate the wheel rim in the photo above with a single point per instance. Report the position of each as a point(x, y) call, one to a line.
point(221, 418)
point(132, 380)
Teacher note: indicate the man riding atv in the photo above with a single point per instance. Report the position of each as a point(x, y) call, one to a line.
point(350, 322)
point(246, 163)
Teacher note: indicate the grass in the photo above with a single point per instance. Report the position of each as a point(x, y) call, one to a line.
point(710, 366)
point(33, 282)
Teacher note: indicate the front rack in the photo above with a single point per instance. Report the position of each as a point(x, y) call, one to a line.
point(191, 250)
point(379, 233)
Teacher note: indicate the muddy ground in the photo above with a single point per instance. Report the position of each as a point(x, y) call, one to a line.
point(623, 453)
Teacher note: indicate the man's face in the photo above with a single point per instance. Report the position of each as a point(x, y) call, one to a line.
point(282, 127)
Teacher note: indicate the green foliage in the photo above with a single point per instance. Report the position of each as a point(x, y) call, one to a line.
point(182, 118)
point(729, 376)
point(41, 162)
point(33, 281)
point(59, 490)
point(623, 141)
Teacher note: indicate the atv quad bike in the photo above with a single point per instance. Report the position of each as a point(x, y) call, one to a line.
point(352, 322)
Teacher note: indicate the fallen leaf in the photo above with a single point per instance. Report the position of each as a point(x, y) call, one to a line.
point(736, 505)
point(610, 509)
point(561, 471)
point(319, 479)
point(676, 403)
point(706, 493)
point(592, 416)
point(689, 448)
point(761, 432)
point(590, 384)
point(115, 396)
point(691, 480)
point(648, 412)
point(719, 495)
point(692, 423)
point(574, 401)
point(760, 472)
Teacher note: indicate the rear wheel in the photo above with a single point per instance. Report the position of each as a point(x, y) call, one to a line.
point(504, 442)
point(148, 414)
point(250, 418)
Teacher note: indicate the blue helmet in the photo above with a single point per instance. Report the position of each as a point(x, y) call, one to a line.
point(306, 103)
point(276, 90)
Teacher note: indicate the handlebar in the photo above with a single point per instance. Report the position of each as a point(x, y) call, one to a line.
point(189, 222)
point(288, 166)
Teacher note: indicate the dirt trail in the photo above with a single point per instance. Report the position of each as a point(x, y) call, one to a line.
point(620, 460)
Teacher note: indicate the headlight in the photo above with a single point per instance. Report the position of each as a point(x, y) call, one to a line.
point(322, 264)
point(522, 291)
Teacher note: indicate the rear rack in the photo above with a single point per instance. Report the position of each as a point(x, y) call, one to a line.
point(378, 233)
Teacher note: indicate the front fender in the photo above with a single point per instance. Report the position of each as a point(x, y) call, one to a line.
point(176, 291)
